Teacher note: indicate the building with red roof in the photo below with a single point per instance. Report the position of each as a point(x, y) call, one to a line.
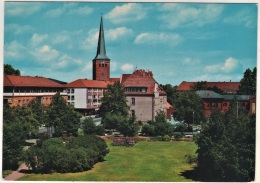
point(227, 87)
point(144, 95)
point(20, 90)
point(85, 95)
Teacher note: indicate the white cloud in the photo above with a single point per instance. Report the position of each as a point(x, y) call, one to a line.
point(118, 33)
point(157, 38)
point(181, 15)
point(69, 8)
point(18, 29)
point(45, 53)
point(127, 67)
point(244, 17)
point(66, 61)
point(37, 39)
point(230, 65)
point(85, 10)
point(61, 38)
point(91, 40)
point(127, 13)
point(14, 50)
point(55, 12)
point(22, 8)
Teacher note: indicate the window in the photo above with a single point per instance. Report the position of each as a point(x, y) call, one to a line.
point(133, 101)
point(72, 97)
point(224, 104)
point(72, 90)
point(133, 113)
point(19, 102)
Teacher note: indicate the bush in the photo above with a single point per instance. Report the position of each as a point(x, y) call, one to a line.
point(166, 138)
point(54, 155)
point(190, 159)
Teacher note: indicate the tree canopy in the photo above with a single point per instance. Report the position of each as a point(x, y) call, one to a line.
point(226, 146)
point(114, 100)
point(62, 116)
point(8, 69)
point(248, 83)
point(189, 107)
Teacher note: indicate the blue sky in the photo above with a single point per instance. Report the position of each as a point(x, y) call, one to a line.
point(176, 41)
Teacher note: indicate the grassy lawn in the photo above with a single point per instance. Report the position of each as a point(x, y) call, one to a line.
point(146, 161)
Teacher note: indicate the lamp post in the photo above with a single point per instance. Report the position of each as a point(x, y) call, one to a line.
point(192, 121)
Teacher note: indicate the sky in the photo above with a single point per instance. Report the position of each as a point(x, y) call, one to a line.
point(176, 41)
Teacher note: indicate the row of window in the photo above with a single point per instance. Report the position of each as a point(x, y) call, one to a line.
point(38, 90)
point(102, 65)
point(243, 104)
point(135, 89)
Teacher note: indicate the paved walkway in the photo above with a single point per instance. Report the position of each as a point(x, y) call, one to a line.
point(16, 174)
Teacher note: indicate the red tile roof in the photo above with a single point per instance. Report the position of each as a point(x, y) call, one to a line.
point(141, 78)
point(29, 81)
point(85, 83)
point(186, 86)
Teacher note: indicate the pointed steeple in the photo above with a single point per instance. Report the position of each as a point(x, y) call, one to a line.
point(101, 48)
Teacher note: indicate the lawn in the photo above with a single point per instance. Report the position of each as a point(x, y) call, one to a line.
point(146, 161)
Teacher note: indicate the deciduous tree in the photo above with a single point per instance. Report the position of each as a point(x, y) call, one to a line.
point(248, 83)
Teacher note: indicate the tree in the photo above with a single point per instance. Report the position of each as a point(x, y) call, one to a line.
point(158, 128)
point(62, 116)
point(128, 127)
point(201, 85)
point(114, 108)
point(226, 146)
point(248, 83)
point(189, 108)
point(89, 128)
point(171, 92)
point(14, 135)
point(8, 69)
point(114, 100)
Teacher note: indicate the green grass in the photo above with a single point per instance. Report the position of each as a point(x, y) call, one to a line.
point(146, 161)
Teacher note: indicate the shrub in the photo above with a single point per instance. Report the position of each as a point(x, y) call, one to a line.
point(166, 138)
point(190, 159)
point(78, 154)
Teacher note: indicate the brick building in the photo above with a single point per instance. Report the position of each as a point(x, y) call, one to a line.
point(213, 100)
point(20, 90)
point(227, 87)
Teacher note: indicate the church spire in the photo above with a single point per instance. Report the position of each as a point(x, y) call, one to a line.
point(101, 48)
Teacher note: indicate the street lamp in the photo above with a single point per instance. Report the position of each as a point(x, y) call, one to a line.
point(192, 121)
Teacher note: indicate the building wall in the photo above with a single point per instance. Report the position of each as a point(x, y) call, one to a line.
point(80, 98)
point(101, 70)
point(25, 100)
point(142, 106)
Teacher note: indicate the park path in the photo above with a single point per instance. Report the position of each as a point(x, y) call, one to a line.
point(17, 174)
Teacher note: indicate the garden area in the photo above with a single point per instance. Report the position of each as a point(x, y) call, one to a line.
point(146, 161)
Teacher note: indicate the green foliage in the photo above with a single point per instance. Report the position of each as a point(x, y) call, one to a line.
point(190, 158)
point(128, 127)
point(8, 69)
point(186, 104)
point(62, 116)
point(158, 128)
point(114, 101)
point(201, 85)
point(171, 93)
point(15, 130)
point(112, 120)
point(226, 146)
point(89, 128)
point(248, 83)
point(166, 138)
point(53, 155)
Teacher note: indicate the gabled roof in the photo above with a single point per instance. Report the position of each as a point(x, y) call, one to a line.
point(225, 86)
point(239, 97)
point(209, 94)
point(141, 78)
point(85, 83)
point(29, 81)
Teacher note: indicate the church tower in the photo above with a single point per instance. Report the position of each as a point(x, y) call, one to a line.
point(101, 63)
